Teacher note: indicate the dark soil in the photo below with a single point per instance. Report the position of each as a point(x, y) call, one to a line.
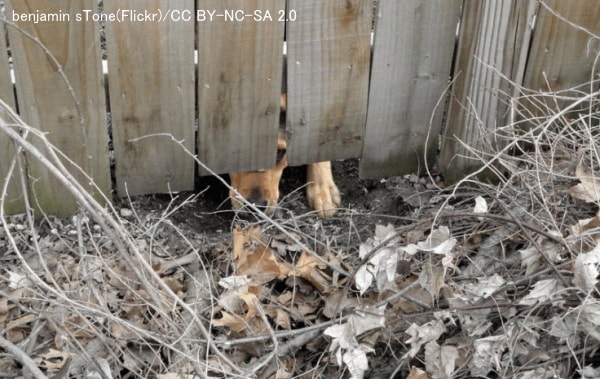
point(365, 203)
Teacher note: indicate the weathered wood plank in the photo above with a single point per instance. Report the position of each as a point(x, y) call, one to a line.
point(6, 85)
point(414, 43)
point(239, 84)
point(492, 43)
point(72, 114)
point(151, 86)
point(328, 47)
point(564, 45)
point(13, 202)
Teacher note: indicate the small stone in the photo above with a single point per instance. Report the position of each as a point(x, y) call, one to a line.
point(125, 212)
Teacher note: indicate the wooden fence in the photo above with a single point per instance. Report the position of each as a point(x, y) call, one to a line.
point(364, 78)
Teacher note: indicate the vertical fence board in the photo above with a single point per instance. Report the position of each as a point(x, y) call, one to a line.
point(492, 41)
point(151, 77)
point(6, 85)
point(328, 47)
point(239, 84)
point(412, 58)
point(74, 122)
point(562, 51)
point(151, 86)
point(13, 202)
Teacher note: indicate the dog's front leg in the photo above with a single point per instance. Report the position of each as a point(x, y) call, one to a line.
point(321, 191)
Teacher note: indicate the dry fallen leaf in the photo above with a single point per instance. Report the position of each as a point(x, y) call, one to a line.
point(587, 224)
point(286, 368)
point(432, 278)
point(338, 301)
point(423, 334)
point(381, 266)
point(18, 280)
point(542, 290)
point(172, 375)
point(357, 362)
point(281, 317)
point(254, 259)
point(300, 305)
point(53, 360)
point(345, 339)
point(480, 205)
point(311, 269)
point(589, 188)
point(440, 241)
point(234, 323)
point(585, 273)
point(531, 258)
point(564, 330)
point(484, 286)
point(589, 372)
point(590, 319)
point(244, 316)
point(416, 373)
point(487, 355)
point(440, 361)
point(415, 292)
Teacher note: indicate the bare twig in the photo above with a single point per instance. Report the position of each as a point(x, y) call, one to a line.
point(23, 358)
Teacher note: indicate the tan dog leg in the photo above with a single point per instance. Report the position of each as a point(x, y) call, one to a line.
point(321, 191)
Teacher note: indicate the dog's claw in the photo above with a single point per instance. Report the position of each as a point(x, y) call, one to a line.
point(321, 191)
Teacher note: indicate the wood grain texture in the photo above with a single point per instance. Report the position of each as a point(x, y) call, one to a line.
point(13, 201)
point(328, 62)
point(72, 113)
point(493, 42)
point(412, 58)
point(6, 85)
point(151, 86)
point(239, 85)
point(564, 45)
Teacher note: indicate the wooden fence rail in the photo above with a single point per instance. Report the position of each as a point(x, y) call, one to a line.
point(363, 78)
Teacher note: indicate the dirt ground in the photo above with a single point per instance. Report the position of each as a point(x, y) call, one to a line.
point(365, 203)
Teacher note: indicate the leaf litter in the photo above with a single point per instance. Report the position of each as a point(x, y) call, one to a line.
point(482, 279)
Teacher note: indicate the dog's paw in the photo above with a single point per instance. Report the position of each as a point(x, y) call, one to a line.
point(321, 191)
